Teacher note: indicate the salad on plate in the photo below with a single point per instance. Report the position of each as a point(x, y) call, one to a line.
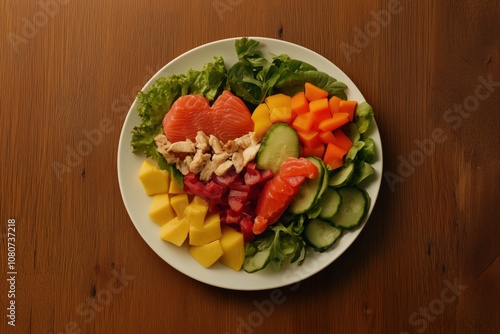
point(255, 164)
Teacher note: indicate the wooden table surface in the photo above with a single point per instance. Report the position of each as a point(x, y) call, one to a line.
point(427, 260)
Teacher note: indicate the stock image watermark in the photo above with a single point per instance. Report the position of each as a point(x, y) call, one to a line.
point(264, 309)
point(74, 155)
point(31, 26)
point(11, 272)
point(454, 117)
point(363, 36)
point(449, 294)
point(224, 6)
point(88, 309)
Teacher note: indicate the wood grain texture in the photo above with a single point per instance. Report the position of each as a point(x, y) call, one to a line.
point(427, 261)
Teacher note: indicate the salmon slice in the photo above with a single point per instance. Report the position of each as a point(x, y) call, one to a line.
point(228, 118)
point(185, 117)
point(231, 116)
point(280, 190)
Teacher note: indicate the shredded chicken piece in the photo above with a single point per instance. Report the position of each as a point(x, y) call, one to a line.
point(231, 146)
point(215, 143)
point(199, 161)
point(188, 159)
point(223, 168)
point(186, 146)
point(208, 170)
point(202, 142)
point(247, 140)
point(208, 155)
point(221, 157)
point(162, 143)
point(250, 153)
point(182, 166)
point(238, 161)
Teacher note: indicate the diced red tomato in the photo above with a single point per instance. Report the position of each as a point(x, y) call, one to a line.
point(240, 186)
point(193, 185)
point(236, 199)
point(246, 227)
point(231, 216)
point(233, 195)
point(227, 179)
point(266, 175)
point(252, 175)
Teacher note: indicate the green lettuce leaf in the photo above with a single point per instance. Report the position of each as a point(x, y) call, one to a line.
point(283, 240)
point(254, 77)
point(295, 73)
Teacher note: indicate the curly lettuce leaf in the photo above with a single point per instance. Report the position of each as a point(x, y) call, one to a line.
point(368, 151)
point(363, 116)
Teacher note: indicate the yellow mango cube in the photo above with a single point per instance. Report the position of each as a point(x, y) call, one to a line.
point(154, 180)
point(278, 100)
point(261, 120)
point(233, 247)
point(175, 231)
point(199, 200)
point(209, 232)
point(281, 114)
point(196, 214)
point(179, 204)
point(207, 254)
point(261, 111)
point(161, 210)
point(175, 187)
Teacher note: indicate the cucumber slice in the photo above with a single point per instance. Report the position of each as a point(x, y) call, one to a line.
point(311, 190)
point(353, 208)
point(314, 211)
point(341, 176)
point(257, 261)
point(280, 142)
point(330, 203)
point(320, 235)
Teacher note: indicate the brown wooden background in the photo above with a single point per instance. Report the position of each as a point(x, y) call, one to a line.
point(69, 67)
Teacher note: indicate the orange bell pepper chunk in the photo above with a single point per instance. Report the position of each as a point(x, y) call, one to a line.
point(313, 92)
point(334, 122)
point(327, 137)
point(299, 103)
point(334, 104)
point(348, 107)
point(320, 110)
point(310, 138)
point(303, 122)
point(341, 140)
point(334, 155)
point(317, 151)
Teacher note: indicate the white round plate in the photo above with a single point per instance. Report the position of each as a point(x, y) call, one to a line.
point(137, 202)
